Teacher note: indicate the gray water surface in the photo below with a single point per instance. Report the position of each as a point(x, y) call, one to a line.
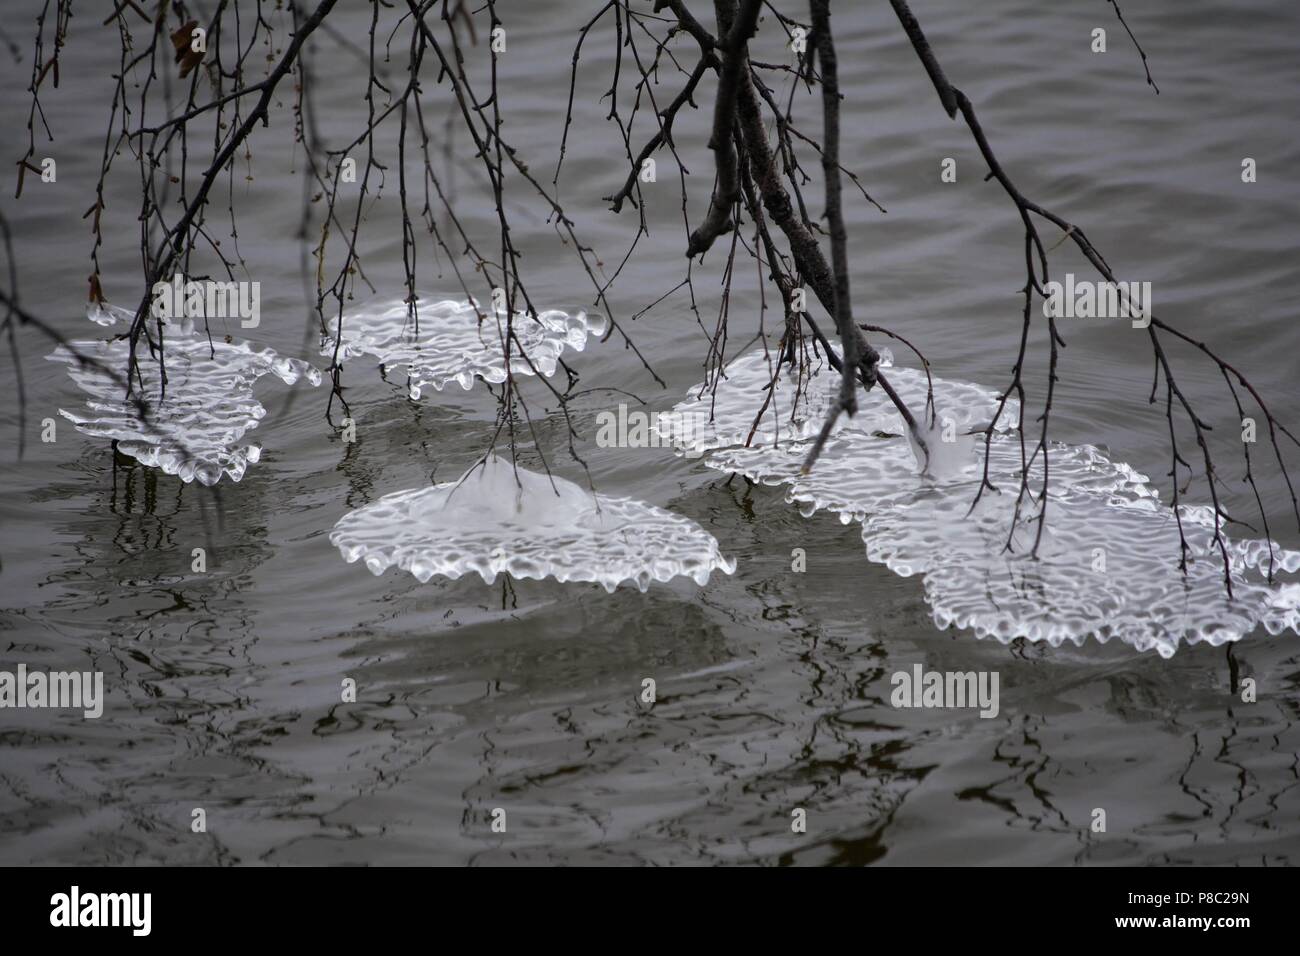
point(773, 686)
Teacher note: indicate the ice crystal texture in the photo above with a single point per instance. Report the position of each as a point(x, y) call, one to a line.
point(799, 404)
point(1107, 564)
point(453, 341)
point(194, 430)
point(535, 527)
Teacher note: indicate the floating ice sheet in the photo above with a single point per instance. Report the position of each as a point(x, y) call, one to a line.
point(452, 344)
point(799, 405)
point(194, 431)
point(489, 523)
point(1107, 565)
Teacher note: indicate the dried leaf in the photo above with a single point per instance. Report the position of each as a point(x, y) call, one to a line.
point(189, 62)
point(181, 39)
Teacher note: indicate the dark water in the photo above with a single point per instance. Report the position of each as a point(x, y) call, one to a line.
point(773, 686)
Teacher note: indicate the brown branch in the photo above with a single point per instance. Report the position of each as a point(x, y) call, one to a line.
point(734, 66)
point(843, 309)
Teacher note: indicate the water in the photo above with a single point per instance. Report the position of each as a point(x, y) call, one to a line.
point(1099, 567)
point(773, 687)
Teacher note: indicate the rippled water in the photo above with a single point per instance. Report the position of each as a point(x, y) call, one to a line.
point(773, 686)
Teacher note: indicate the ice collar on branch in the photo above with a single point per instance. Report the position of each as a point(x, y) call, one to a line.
point(194, 431)
point(799, 403)
point(452, 341)
point(499, 518)
point(1107, 566)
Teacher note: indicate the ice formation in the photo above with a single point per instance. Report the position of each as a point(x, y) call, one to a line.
point(535, 527)
point(452, 344)
point(1107, 565)
point(194, 431)
point(798, 408)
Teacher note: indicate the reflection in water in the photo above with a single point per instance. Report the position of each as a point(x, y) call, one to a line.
point(468, 701)
point(773, 686)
